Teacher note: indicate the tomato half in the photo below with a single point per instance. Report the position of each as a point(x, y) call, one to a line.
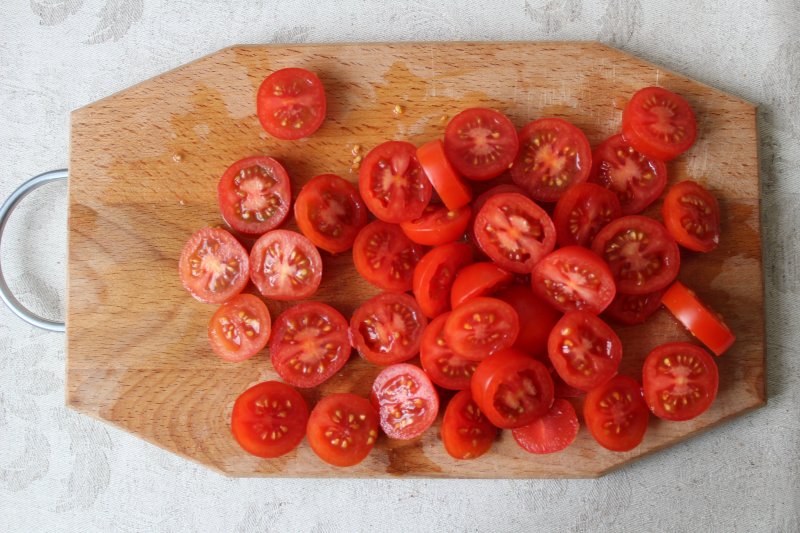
point(701, 321)
point(481, 327)
point(466, 432)
point(536, 318)
point(582, 211)
point(285, 265)
point(254, 195)
point(342, 429)
point(574, 278)
point(550, 433)
point(641, 254)
point(481, 199)
point(392, 182)
point(454, 193)
point(616, 414)
point(385, 257)
point(406, 401)
point(330, 212)
point(269, 419)
point(437, 225)
point(480, 143)
point(554, 155)
point(659, 123)
point(434, 276)
point(213, 266)
point(387, 328)
point(444, 366)
point(240, 328)
point(680, 381)
point(309, 344)
point(632, 309)
point(478, 279)
point(291, 103)
point(691, 215)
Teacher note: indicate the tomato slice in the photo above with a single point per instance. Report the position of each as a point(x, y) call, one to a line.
point(536, 318)
point(584, 351)
point(632, 309)
point(254, 195)
point(554, 155)
point(454, 193)
point(342, 429)
point(434, 276)
point(240, 328)
point(574, 278)
point(481, 327)
point(680, 381)
point(269, 419)
point(406, 401)
point(635, 178)
point(385, 257)
point(512, 389)
point(691, 215)
point(659, 123)
point(514, 232)
point(309, 344)
point(478, 279)
point(437, 225)
point(582, 211)
point(616, 414)
point(291, 103)
point(330, 212)
point(444, 366)
point(480, 143)
point(392, 182)
point(213, 266)
point(641, 254)
point(702, 322)
point(481, 199)
point(550, 433)
point(387, 328)
point(285, 265)
point(466, 432)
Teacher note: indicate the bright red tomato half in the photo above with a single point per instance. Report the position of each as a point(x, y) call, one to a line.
point(291, 103)
point(481, 199)
point(444, 366)
point(659, 123)
point(616, 414)
point(581, 213)
point(480, 143)
point(536, 318)
point(481, 327)
point(385, 257)
point(434, 276)
point(550, 433)
point(698, 318)
point(388, 328)
point(330, 212)
point(240, 328)
point(254, 195)
point(691, 215)
point(285, 265)
point(406, 401)
point(466, 432)
point(574, 278)
point(454, 193)
point(632, 309)
point(478, 279)
point(213, 266)
point(437, 225)
point(342, 429)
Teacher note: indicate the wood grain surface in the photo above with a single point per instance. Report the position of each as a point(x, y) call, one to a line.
point(144, 167)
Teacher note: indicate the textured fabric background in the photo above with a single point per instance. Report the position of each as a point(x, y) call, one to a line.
point(60, 471)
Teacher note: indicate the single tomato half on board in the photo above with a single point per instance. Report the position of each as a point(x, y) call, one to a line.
point(291, 103)
point(480, 143)
point(387, 328)
point(342, 429)
point(406, 401)
point(285, 265)
point(213, 266)
point(240, 328)
point(466, 432)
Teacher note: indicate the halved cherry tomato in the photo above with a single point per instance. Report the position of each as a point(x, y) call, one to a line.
point(659, 123)
point(554, 155)
point(574, 278)
point(691, 215)
point(342, 429)
point(582, 211)
point(632, 309)
point(392, 182)
point(240, 328)
point(309, 344)
point(454, 193)
point(512, 389)
point(481, 327)
point(641, 254)
point(550, 433)
point(680, 381)
point(480, 143)
point(385, 257)
point(213, 266)
point(635, 178)
point(444, 366)
point(481, 199)
point(406, 401)
point(698, 318)
point(330, 212)
point(466, 432)
point(269, 419)
point(291, 103)
point(285, 265)
point(478, 279)
point(434, 276)
point(616, 414)
point(514, 232)
point(584, 351)
point(387, 328)
point(536, 318)
point(437, 225)
point(254, 195)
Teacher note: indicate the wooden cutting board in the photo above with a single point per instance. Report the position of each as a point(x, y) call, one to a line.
point(143, 173)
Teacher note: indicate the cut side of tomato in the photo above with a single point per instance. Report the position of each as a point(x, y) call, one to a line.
point(406, 400)
point(342, 429)
point(616, 414)
point(550, 433)
point(480, 143)
point(385, 257)
point(388, 328)
point(659, 123)
point(574, 278)
point(285, 265)
point(478, 279)
point(701, 321)
point(291, 103)
point(466, 432)
point(632, 309)
point(481, 327)
point(454, 193)
point(444, 366)
point(481, 199)
point(582, 211)
point(434, 276)
point(691, 215)
point(536, 318)
point(240, 328)
point(437, 225)
point(213, 266)
point(254, 195)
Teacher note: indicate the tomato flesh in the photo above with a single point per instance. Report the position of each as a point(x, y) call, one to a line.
point(213, 266)
point(342, 429)
point(437, 225)
point(659, 123)
point(406, 400)
point(285, 265)
point(434, 276)
point(702, 322)
point(385, 257)
point(582, 211)
point(616, 414)
point(481, 327)
point(466, 432)
point(454, 193)
point(480, 143)
point(536, 318)
point(632, 309)
point(550, 433)
point(388, 328)
point(444, 366)
point(477, 279)
point(691, 215)
point(254, 195)
point(291, 103)
point(574, 278)
point(240, 328)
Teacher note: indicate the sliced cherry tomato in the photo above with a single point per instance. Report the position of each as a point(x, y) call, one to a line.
point(240, 328)
point(454, 193)
point(330, 212)
point(691, 215)
point(213, 266)
point(635, 178)
point(291, 103)
point(680, 381)
point(342, 429)
point(406, 401)
point(392, 182)
point(659, 123)
point(269, 419)
point(554, 155)
point(254, 195)
point(582, 211)
point(444, 366)
point(309, 344)
point(480, 200)
point(481, 327)
point(574, 278)
point(385, 257)
point(514, 232)
point(550, 433)
point(478, 279)
point(536, 318)
point(641, 254)
point(388, 328)
point(480, 143)
point(434, 276)
point(616, 414)
point(512, 389)
point(632, 309)
point(437, 225)
point(285, 265)
point(466, 432)
point(698, 318)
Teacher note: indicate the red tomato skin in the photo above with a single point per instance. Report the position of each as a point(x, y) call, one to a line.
point(630, 405)
point(701, 321)
point(634, 126)
point(437, 225)
point(454, 193)
point(536, 318)
point(331, 415)
point(291, 242)
point(557, 287)
point(477, 279)
point(434, 348)
point(501, 317)
point(392, 376)
point(404, 252)
point(582, 211)
point(434, 276)
point(228, 313)
point(466, 432)
point(266, 112)
point(690, 196)
point(235, 251)
point(362, 333)
point(552, 432)
point(239, 173)
point(505, 147)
